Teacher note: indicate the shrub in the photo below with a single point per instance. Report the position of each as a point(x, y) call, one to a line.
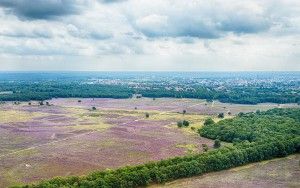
point(185, 123)
point(221, 115)
point(217, 143)
point(208, 121)
point(179, 124)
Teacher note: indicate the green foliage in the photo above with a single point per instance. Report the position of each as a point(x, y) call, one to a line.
point(221, 115)
point(46, 89)
point(147, 115)
point(209, 121)
point(255, 126)
point(184, 123)
point(217, 143)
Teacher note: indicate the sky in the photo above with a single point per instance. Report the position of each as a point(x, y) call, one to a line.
point(149, 35)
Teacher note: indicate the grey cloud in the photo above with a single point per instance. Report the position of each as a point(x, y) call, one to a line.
point(245, 24)
point(40, 9)
point(201, 21)
point(207, 29)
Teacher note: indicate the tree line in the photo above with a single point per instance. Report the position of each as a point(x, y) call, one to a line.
point(44, 90)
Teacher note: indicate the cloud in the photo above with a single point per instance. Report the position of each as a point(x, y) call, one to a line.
point(111, 1)
point(198, 19)
point(195, 31)
point(88, 33)
point(41, 9)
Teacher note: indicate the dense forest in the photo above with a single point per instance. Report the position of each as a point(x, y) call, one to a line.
point(266, 141)
point(25, 91)
point(244, 88)
point(255, 126)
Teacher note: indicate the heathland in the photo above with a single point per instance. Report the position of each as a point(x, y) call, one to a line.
point(67, 137)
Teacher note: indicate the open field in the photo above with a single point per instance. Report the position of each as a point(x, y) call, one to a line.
point(281, 172)
point(68, 138)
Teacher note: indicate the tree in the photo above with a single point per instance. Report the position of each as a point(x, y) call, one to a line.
point(217, 143)
point(185, 123)
point(94, 108)
point(208, 121)
point(147, 115)
point(221, 115)
point(184, 112)
point(179, 124)
point(241, 114)
point(79, 101)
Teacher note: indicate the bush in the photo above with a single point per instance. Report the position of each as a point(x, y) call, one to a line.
point(185, 123)
point(94, 108)
point(208, 121)
point(221, 115)
point(147, 115)
point(179, 124)
point(217, 143)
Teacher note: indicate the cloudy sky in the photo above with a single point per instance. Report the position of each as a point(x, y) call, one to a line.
point(150, 35)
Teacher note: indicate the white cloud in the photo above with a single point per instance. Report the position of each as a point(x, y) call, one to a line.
point(209, 35)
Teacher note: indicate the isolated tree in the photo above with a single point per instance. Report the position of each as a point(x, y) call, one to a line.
point(147, 115)
point(184, 112)
point(217, 143)
point(221, 115)
point(29, 103)
point(135, 108)
point(185, 123)
point(41, 103)
point(79, 101)
point(179, 124)
point(209, 121)
point(94, 108)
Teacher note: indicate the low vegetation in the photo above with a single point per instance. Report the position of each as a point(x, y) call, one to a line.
point(257, 136)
